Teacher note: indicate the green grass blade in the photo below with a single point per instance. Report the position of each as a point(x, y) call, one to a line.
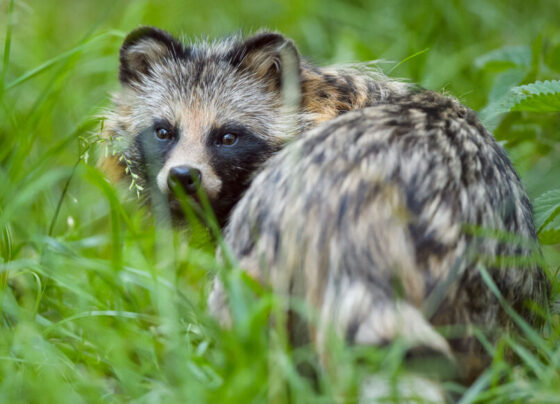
point(7, 46)
point(63, 56)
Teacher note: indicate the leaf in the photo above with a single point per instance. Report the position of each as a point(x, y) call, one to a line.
point(509, 55)
point(549, 236)
point(505, 81)
point(540, 96)
point(547, 208)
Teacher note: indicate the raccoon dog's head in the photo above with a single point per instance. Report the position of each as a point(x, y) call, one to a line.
point(202, 116)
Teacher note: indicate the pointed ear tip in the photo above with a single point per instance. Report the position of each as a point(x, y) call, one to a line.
point(144, 32)
point(267, 40)
point(270, 33)
point(268, 37)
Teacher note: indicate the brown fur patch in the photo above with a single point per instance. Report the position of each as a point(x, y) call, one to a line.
point(326, 93)
point(111, 167)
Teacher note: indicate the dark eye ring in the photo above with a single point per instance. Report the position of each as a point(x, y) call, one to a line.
point(163, 134)
point(229, 139)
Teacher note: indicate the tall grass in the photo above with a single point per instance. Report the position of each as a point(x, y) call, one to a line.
point(101, 303)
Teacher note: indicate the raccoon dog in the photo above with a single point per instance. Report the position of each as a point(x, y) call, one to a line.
point(383, 214)
point(384, 221)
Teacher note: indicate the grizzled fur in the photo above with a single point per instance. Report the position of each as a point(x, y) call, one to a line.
point(380, 220)
point(199, 92)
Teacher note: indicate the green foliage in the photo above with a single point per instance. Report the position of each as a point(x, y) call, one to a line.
point(547, 208)
point(101, 302)
point(536, 97)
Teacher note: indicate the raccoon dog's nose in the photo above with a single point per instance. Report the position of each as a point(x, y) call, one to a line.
point(188, 178)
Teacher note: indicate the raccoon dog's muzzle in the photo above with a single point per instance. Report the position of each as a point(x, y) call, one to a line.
point(186, 177)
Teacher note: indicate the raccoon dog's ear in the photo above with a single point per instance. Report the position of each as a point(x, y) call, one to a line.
point(144, 46)
point(268, 55)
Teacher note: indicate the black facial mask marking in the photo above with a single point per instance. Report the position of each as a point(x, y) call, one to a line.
point(235, 164)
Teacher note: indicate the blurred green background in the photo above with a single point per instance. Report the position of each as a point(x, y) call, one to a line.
point(99, 304)
point(454, 32)
point(447, 37)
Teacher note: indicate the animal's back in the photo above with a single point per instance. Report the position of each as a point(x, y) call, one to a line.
point(381, 220)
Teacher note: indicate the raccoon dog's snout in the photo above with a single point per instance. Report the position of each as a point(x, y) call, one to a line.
point(188, 178)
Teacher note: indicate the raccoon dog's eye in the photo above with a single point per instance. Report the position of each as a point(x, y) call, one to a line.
point(163, 134)
point(229, 139)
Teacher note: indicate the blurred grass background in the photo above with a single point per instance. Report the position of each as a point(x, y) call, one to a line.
point(98, 304)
